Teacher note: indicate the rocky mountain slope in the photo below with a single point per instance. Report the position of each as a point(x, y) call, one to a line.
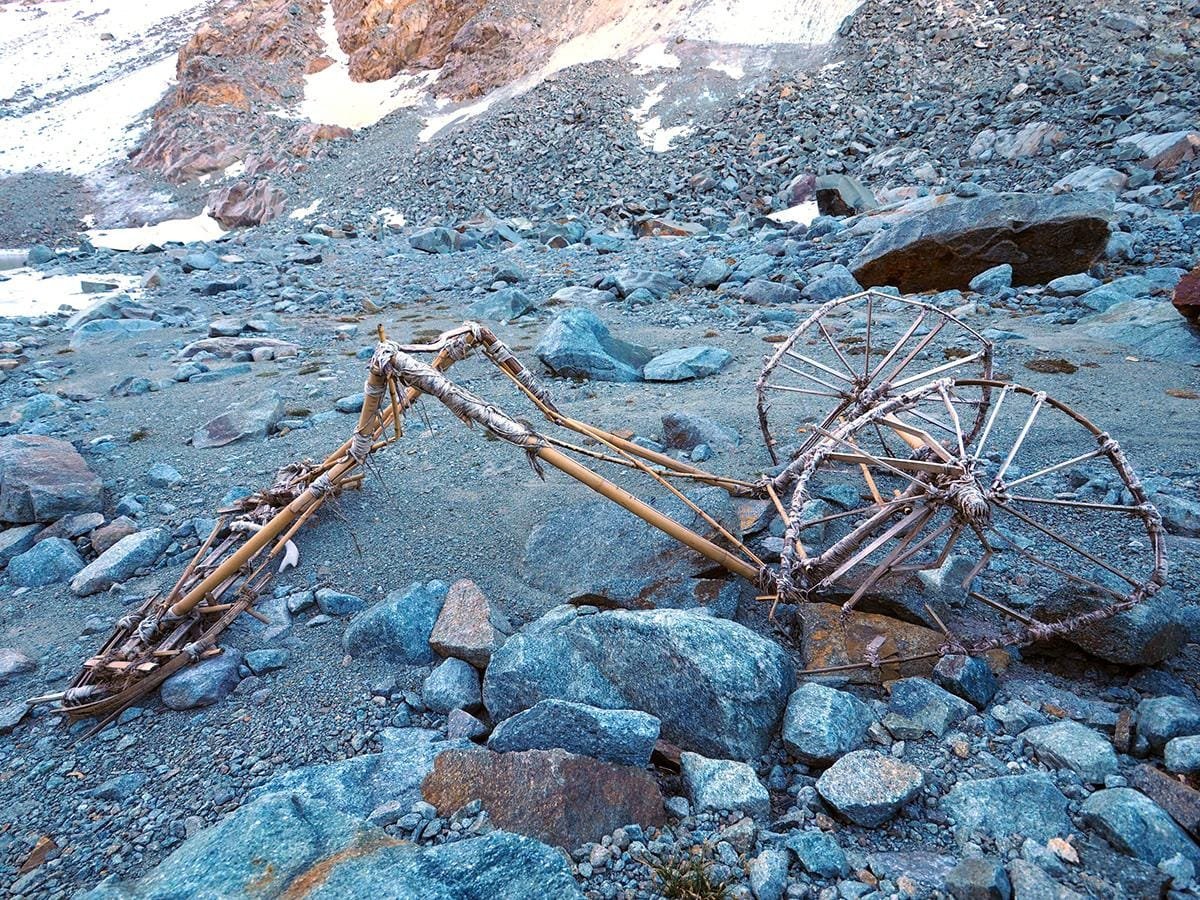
point(479, 682)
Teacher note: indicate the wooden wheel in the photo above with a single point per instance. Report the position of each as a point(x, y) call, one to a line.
point(1031, 526)
point(854, 352)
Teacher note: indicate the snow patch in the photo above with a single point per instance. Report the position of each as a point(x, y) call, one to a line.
point(74, 99)
point(305, 211)
point(390, 217)
point(182, 231)
point(650, 128)
point(760, 22)
point(27, 292)
point(734, 70)
point(803, 213)
point(656, 56)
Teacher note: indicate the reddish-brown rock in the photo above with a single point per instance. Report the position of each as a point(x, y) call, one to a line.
point(468, 627)
point(830, 640)
point(552, 795)
point(43, 479)
point(1187, 296)
point(308, 137)
point(244, 204)
point(384, 36)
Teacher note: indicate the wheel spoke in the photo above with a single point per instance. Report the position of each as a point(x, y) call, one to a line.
point(873, 546)
point(870, 318)
point(795, 390)
point(1083, 457)
point(836, 350)
point(938, 370)
point(1037, 405)
point(813, 378)
point(818, 365)
point(1071, 576)
point(987, 430)
point(891, 354)
point(921, 345)
point(1078, 504)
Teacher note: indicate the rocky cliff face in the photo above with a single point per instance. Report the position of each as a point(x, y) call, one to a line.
point(383, 37)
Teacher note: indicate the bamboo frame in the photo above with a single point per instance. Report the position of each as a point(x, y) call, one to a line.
point(238, 558)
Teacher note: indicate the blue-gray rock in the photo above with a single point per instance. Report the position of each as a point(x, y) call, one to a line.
point(714, 784)
point(869, 788)
point(120, 561)
point(578, 345)
point(686, 363)
point(104, 330)
point(333, 603)
point(252, 418)
point(454, 684)
point(39, 254)
point(717, 687)
point(1028, 805)
point(711, 273)
point(836, 282)
point(818, 853)
point(968, 677)
point(623, 736)
point(43, 479)
point(433, 240)
point(260, 662)
point(1102, 298)
point(577, 295)
point(15, 541)
point(993, 280)
point(204, 683)
point(1072, 285)
point(120, 787)
point(633, 565)
point(1029, 882)
point(1180, 514)
point(767, 293)
point(822, 723)
point(503, 305)
point(1159, 719)
point(46, 562)
point(199, 261)
point(626, 281)
point(768, 874)
point(918, 707)
point(1135, 824)
point(1143, 635)
point(14, 663)
point(976, 878)
point(1042, 236)
point(683, 431)
point(163, 475)
point(1182, 755)
point(1069, 745)
point(398, 627)
point(350, 404)
point(11, 715)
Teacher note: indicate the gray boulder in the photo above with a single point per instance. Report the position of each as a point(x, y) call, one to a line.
point(597, 551)
point(822, 724)
point(761, 292)
point(46, 562)
point(714, 784)
point(835, 282)
point(1143, 635)
point(623, 736)
point(1159, 719)
point(15, 541)
point(13, 664)
point(686, 364)
point(684, 431)
point(120, 561)
point(711, 273)
point(1182, 755)
point(253, 418)
point(1042, 236)
point(918, 707)
point(1135, 824)
point(717, 687)
point(334, 603)
point(433, 240)
point(503, 305)
point(819, 853)
point(869, 788)
point(43, 479)
point(1069, 745)
point(398, 627)
point(968, 677)
point(108, 330)
point(625, 281)
point(578, 345)
point(204, 683)
point(1028, 805)
point(454, 684)
point(976, 878)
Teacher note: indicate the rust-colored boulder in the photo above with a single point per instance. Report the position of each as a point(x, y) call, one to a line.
point(830, 639)
point(552, 795)
point(384, 36)
point(468, 627)
point(308, 137)
point(1042, 236)
point(1187, 296)
point(43, 479)
point(243, 204)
